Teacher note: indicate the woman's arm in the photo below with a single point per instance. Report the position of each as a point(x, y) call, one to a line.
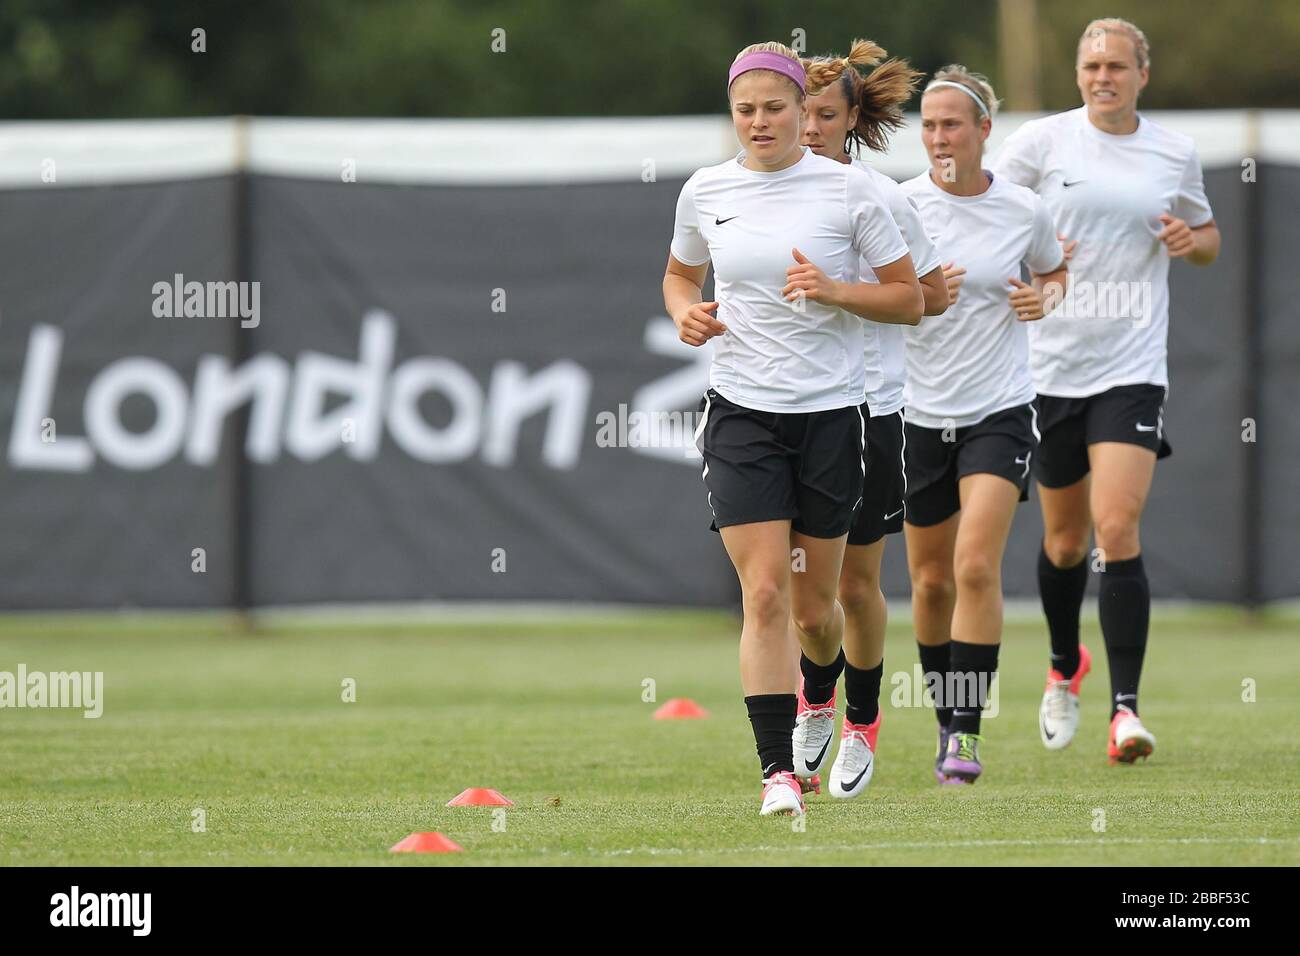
point(683, 289)
point(1052, 285)
point(894, 300)
point(934, 288)
point(1199, 246)
point(1032, 302)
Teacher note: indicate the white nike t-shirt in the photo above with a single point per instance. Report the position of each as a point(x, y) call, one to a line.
point(973, 360)
point(886, 356)
point(773, 357)
point(1108, 192)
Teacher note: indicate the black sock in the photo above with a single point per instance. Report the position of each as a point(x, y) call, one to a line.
point(772, 716)
point(1125, 607)
point(862, 693)
point(1061, 590)
point(934, 665)
point(819, 680)
point(970, 676)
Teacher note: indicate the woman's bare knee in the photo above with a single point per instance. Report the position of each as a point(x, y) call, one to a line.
point(976, 574)
point(1117, 534)
point(857, 592)
point(1066, 548)
point(766, 603)
point(933, 585)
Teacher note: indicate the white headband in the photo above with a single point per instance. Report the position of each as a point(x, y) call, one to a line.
point(965, 89)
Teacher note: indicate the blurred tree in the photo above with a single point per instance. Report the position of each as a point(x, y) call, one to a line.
point(1204, 54)
point(78, 58)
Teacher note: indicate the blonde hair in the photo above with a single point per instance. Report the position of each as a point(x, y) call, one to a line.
point(977, 83)
point(773, 46)
point(1098, 29)
point(878, 91)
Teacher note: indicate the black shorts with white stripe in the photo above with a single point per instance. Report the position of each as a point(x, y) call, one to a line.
point(769, 466)
point(1001, 444)
point(882, 492)
point(1131, 414)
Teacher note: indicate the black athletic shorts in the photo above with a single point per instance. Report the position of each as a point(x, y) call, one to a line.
point(1002, 444)
point(1132, 414)
point(882, 492)
point(769, 466)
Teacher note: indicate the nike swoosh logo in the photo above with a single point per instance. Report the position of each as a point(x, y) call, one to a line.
point(814, 764)
point(1145, 428)
point(719, 222)
point(895, 514)
point(1075, 183)
point(854, 782)
point(1046, 733)
point(1022, 461)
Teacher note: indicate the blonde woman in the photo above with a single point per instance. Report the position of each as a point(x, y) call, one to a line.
point(969, 410)
point(1130, 193)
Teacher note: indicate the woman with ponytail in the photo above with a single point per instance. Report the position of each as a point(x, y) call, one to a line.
point(857, 101)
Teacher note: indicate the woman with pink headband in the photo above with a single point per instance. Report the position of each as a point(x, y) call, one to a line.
point(781, 432)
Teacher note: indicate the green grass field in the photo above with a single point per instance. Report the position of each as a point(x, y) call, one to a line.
point(252, 729)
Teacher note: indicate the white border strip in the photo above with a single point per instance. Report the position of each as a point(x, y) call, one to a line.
point(506, 151)
point(1279, 137)
point(487, 152)
point(490, 152)
point(98, 152)
point(1016, 611)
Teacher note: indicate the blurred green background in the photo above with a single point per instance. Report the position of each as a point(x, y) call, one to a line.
point(67, 59)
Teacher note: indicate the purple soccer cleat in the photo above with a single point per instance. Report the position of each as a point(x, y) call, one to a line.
point(940, 753)
point(962, 760)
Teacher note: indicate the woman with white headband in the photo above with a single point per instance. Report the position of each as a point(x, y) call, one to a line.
point(968, 405)
point(1130, 193)
point(781, 433)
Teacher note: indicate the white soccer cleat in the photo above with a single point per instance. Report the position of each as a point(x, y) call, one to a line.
point(814, 729)
point(1058, 715)
point(1129, 739)
point(856, 761)
point(782, 794)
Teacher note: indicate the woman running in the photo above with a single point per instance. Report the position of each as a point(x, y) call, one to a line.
point(1122, 187)
point(969, 415)
point(851, 105)
point(781, 432)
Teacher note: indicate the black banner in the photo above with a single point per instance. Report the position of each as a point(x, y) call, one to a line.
point(274, 391)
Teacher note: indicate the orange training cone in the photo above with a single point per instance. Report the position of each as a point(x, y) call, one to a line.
point(681, 708)
point(425, 843)
point(479, 797)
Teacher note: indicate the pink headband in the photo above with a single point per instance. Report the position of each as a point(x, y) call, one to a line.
point(767, 61)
